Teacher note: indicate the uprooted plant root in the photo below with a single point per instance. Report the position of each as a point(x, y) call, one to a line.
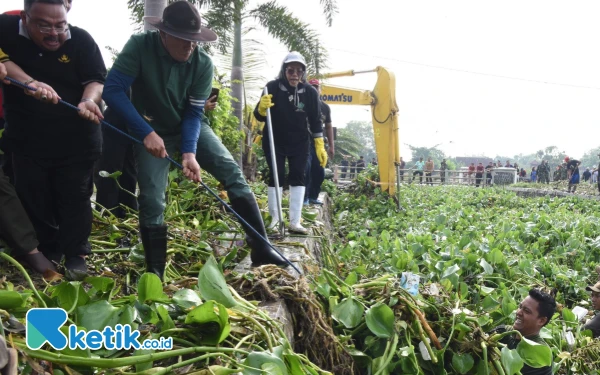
point(313, 335)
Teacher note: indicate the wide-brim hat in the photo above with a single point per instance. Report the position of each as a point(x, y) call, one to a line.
point(594, 288)
point(182, 20)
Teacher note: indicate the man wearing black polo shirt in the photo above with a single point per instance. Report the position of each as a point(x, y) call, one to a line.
point(53, 148)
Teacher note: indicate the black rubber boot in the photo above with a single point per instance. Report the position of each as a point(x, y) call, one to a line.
point(154, 239)
point(261, 252)
point(76, 268)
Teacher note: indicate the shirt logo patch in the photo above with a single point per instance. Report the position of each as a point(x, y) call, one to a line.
point(64, 59)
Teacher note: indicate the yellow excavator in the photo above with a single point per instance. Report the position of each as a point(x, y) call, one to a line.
point(384, 111)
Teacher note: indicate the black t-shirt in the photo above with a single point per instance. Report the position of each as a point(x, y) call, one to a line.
point(573, 165)
point(594, 325)
point(295, 115)
point(325, 113)
point(512, 342)
point(44, 130)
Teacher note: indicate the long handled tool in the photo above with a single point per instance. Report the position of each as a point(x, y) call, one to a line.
point(274, 168)
point(19, 84)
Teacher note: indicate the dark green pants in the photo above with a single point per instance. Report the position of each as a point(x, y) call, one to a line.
point(153, 173)
point(15, 227)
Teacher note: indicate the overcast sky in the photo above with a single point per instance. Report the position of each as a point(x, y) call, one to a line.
point(506, 77)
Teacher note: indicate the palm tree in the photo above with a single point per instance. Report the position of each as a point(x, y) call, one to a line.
point(346, 144)
point(226, 18)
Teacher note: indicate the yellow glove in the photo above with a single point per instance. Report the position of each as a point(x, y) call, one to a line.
point(264, 104)
point(321, 153)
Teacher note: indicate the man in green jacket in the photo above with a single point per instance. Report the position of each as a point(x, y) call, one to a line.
point(170, 79)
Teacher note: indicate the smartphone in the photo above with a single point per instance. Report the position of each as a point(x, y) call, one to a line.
point(215, 92)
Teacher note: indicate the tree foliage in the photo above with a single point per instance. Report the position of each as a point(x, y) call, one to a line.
point(275, 18)
point(552, 154)
point(228, 19)
point(346, 144)
point(223, 122)
point(426, 152)
point(363, 132)
point(591, 159)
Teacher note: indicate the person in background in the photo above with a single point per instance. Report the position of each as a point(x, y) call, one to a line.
point(374, 161)
point(315, 173)
point(587, 175)
point(443, 169)
point(594, 323)
point(419, 165)
point(543, 172)
point(360, 164)
point(352, 168)
point(488, 172)
point(429, 167)
point(572, 167)
point(118, 155)
point(471, 173)
point(344, 165)
point(598, 179)
point(479, 174)
point(402, 167)
point(533, 174)
point(5, 157)
point(15, 227)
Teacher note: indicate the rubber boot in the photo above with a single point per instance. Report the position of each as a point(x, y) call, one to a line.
point(261, 253)
point(76, 268)
point(574, 187)
point(296, 202)
point(273, 209)
point(37, 262)
point(154, 239)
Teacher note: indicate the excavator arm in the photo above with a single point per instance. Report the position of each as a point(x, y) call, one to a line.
point(384, 109)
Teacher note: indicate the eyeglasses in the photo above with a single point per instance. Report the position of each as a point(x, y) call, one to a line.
point(48, 29)
point(292, 71)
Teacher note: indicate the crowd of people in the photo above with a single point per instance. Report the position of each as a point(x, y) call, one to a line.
point(481, 175)
point(567, 171)
point(350, 167)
